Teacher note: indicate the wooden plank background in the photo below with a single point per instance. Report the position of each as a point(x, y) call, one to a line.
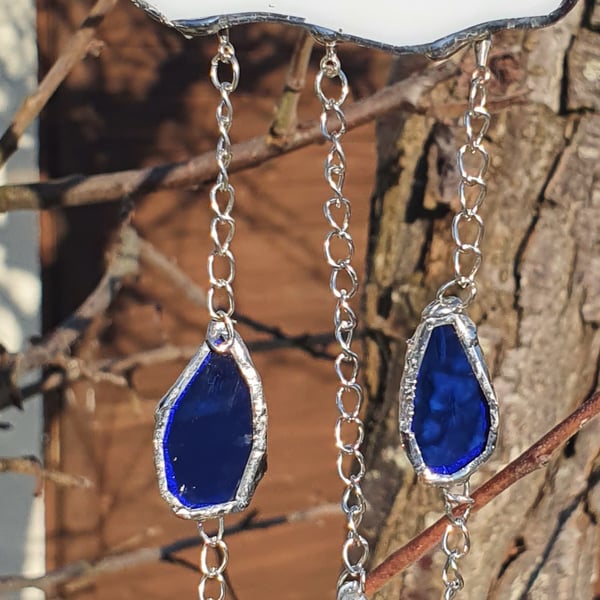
point(147, 99)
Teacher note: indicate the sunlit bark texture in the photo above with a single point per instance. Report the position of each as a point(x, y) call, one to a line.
point(538, 308)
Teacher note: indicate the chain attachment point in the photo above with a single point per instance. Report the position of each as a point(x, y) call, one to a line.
point(473, 162)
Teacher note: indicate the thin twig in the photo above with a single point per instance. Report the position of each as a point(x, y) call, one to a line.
point(78, 47)
point(450, 111)
point(314, 345)
point(124, 262)
point(31, 465)
point(52, 350)
point(82, 190)
point(285, 121)
point(536, 457)
point(91, 570)
point(110, 369)
point(154, 258)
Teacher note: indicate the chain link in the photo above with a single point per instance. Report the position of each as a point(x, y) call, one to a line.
point(473, 162)
point(339, 251)
point(221, 262)
point(456, 542)
point(214, 556)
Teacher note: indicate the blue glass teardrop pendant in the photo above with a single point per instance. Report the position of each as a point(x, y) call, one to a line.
point(448, 409)
point(210, 436)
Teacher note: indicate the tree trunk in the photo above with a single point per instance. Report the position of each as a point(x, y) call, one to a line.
point(537, 311)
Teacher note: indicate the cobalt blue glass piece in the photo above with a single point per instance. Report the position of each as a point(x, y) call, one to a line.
point(451, 420)
point(208, 435)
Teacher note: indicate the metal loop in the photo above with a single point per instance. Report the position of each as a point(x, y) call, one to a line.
point(343, 390)
point(356, 471)
point(463, 545)
point(329, 131)
point(217, 312)
point(451, 577)
point(471, 250)
point(222, 246)
point(463, 186)
point(220, 553)
point(343, 293)
point(469, 286)
point(344, 237)
point(342, 204)
point(330, 63)
point(344, 338)
point(478, 92)
point(345, 321)
point(355, 542)
point(223, 214)
point(477, 151)
point(229, 262)
point(478, 115)
point(225, 56)
point(350, 359)
point(467, 217)
point(335, 167)
point(461, 499)
point(345, 447)
point(454, 499)
point(224, 112)
point(328, 70)
point(354, 505)
point(219, 580)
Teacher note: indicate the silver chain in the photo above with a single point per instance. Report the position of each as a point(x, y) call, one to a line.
point(339, 250)
point(214, 556)
point(221, 263)
point(456, 542)
point(473, 161)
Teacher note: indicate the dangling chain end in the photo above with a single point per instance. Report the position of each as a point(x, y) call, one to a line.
point(456, 541)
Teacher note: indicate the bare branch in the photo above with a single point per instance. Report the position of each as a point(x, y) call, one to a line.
point(450, 111)
point(78, 47)
point(82, 190)
point(31, 465)
point(152, 257)
point(123, 263)
point(91, 570)
point(286, 117)
point(536, 457)
point(112, 369)
point(130, 253)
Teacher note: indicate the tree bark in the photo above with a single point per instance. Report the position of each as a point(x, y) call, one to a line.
point(537, 310)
